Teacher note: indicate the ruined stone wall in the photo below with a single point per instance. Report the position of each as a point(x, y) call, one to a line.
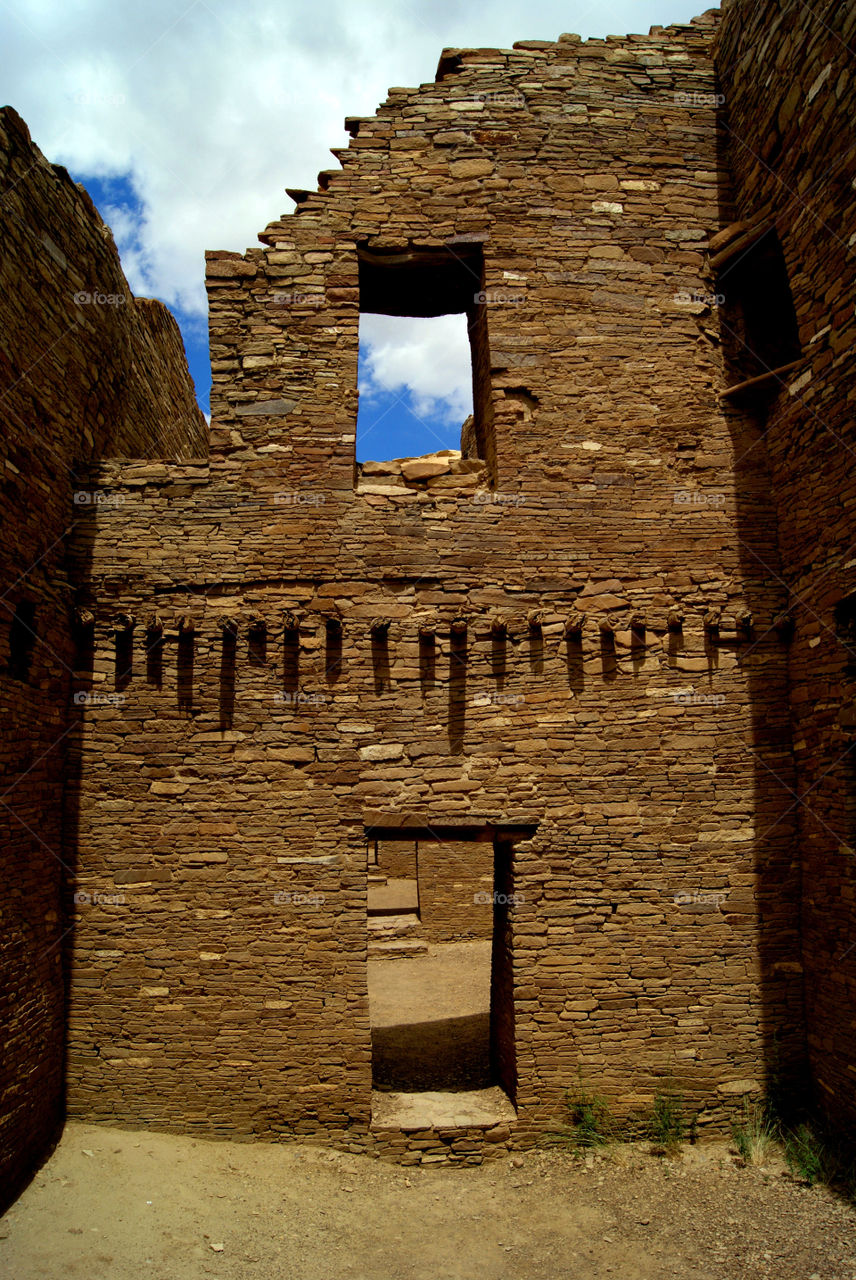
point(455, 891)
point(396, 859)
point(584, 642)
point(455, 883)
point(82, 376)
point(786, 74)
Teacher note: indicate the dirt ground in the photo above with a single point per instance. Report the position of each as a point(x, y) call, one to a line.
point(118, 1205)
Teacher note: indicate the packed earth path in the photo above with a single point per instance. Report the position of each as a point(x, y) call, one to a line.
point(112, 1204)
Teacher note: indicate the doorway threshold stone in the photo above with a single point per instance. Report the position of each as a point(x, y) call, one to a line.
point(471, 1108)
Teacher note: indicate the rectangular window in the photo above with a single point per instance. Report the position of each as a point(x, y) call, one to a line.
point(424, 370)
point(22, 638)
point(759, 323)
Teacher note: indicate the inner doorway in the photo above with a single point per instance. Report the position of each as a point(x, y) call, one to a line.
point(441, 973)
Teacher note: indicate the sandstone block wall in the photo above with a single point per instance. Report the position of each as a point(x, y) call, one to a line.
point(396, 859)
point(787, 77)
point(583, 642)
point(86, 371)
point(455, 883)
point(618, 632)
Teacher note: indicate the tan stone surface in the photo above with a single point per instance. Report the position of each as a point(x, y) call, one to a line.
point(623, 621)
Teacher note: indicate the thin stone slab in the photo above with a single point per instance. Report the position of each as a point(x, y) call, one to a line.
point(393, 898)
point(478, 1108)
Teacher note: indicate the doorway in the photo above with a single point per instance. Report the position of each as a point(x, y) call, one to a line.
point(441, 966)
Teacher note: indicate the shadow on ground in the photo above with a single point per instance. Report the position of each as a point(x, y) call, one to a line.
point(450, 1054)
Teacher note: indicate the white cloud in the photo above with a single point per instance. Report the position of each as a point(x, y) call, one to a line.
point(214, 106)
point(429, 357)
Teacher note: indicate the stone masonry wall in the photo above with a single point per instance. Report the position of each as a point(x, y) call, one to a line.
point(396, 859)
point(82, 376)
point(786, 74)
point(455, 884)
point(584, 641)
point(455, 891)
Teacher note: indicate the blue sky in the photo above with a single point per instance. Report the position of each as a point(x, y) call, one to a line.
point(388, 426)
point(403, 411)
point(186, 120)
point(122, 208)
point(415, 382)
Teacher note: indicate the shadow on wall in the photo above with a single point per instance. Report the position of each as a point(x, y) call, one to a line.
point(457, 686)
point(770, 918)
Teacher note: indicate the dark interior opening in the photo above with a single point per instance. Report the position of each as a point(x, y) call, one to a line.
point(22, 638)
point(845, 632)
point(420, 283)
point(762, 329)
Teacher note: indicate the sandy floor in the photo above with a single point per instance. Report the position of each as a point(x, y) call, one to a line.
point(431, 1018)
point(451, 981)
point(114, 1205)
